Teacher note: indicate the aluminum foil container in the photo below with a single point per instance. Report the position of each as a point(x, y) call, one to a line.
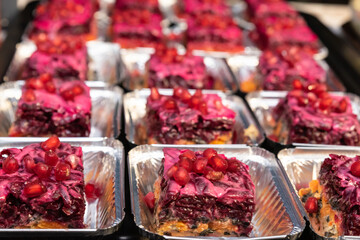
point(262, 104)
point(103, 61)
point(105, 113)
point(104, 166)
point(135, 111)
point(134, 69)
point(277, 214)
point(244, 68)
point(302, 164)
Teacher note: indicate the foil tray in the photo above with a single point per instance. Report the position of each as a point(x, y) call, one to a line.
point(263, 102)
point(134, 69)
point(277, 213)
point(302, 164)
point(105, 113)
point(135, 111)
point(103, 61)
point(104, 166)
point(244, 68)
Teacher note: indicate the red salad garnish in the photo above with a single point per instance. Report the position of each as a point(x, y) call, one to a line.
point(355, 169)
point(150, 200)
point(10, 165)
point(92, 192)
point(62, 171)
point(34, 189)
point(181, 176)
point(42, 170)
point(311, 205)
point(51, 158)
point(50, 144)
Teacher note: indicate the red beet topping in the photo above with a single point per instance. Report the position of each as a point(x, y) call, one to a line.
point(33, 190)
point(213, 32)
point(205, 194)
point(187, 118)
point(152, 5)
point(288, 69)
point(70, 17)
point(312, 115)
point(341, 187)
point(168, 69)
point(215, 7)
point(278, 25)
point(62, 57)
point(136, 27)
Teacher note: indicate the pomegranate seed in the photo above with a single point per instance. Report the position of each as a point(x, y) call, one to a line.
point(50, 87)
point(64, 47)
point(234, 166)
point(170, 104)
point(181, 176)
point(178, 92)
point(302, 101)
point(42, 170)
point(195, 101)
point(200, 164)
point(51, 144)
point(29, 163)
point(150, 200)
point(311, 97)
point(198, 93)
point(317, 88)
point(273, 137)
point(172, 170)
point(45, 77)
point(77, 90)
point(355, 169)
point(209, 153)
point(34, 189)
point(189, 154)
point(185, 163)
point(68, 94)
point(218, 163)
point(297, 84)
point(341, 108)
point(202, 107)
point(73, 160)
point(51, 158)
point(29, 95)
point(10, 165)
point(218, 104)
point(92, 192)
point(185, 96)
point(34, 83)
point(325, 103)
point(154, 95)
point(210, 174)
point(311, 205)
point(62, 171)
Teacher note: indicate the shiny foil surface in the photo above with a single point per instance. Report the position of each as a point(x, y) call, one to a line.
point(277, 214)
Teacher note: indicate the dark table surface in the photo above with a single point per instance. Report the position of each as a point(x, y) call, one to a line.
point(343, 58)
